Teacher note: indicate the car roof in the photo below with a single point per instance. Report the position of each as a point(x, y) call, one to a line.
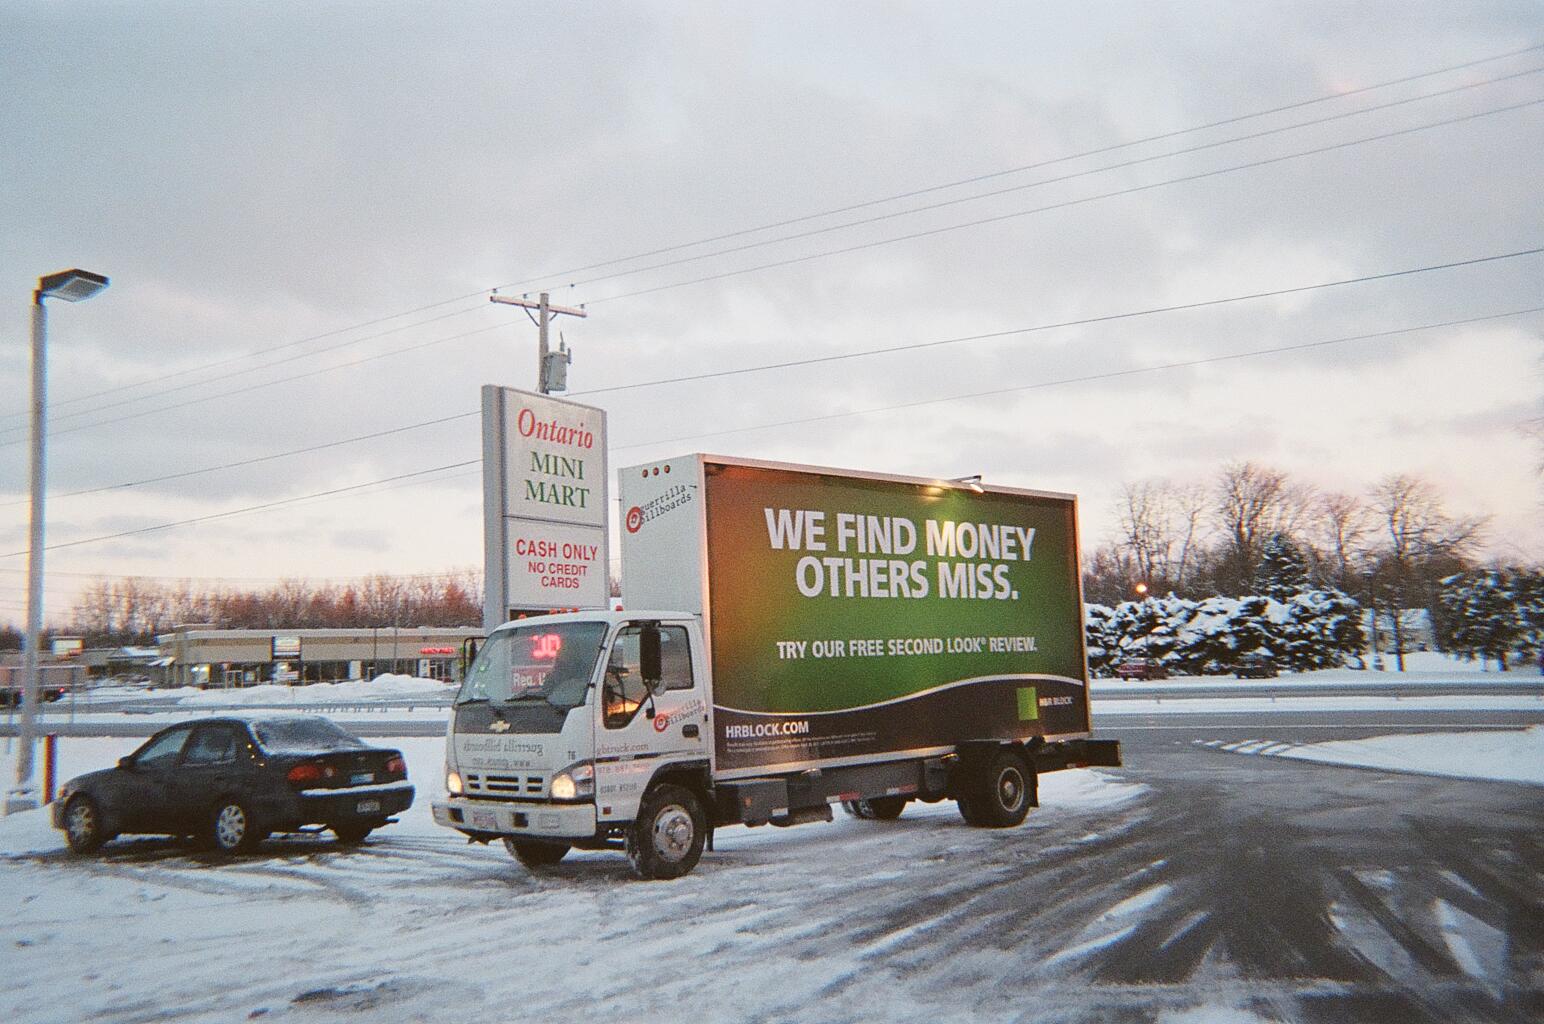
point(249, 718)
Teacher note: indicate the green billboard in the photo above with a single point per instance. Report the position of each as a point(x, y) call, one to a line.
point(852, 615)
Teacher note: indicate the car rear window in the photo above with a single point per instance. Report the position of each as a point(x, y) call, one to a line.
point(304, 736)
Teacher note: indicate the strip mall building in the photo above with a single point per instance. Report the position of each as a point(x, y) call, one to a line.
point(205, 657)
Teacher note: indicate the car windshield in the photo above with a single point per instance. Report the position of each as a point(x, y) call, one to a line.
point(307, 735)
point(551, 662)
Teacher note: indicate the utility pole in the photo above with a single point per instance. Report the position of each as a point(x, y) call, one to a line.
point(551, 367)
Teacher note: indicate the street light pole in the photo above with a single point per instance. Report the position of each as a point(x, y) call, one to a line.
point(71, 286)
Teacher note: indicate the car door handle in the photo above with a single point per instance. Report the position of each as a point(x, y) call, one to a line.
point(689, 731)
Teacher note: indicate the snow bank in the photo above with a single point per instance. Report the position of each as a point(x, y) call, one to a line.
point(1501, 756)
point(386, 685)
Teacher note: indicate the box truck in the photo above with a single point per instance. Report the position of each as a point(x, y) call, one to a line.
point(793, 638)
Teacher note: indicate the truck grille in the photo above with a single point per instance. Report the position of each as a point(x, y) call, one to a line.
point(511, 787)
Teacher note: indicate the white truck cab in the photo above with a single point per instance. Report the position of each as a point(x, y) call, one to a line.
point(562, 725)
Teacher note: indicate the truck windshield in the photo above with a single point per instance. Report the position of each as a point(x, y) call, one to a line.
point(537, 662)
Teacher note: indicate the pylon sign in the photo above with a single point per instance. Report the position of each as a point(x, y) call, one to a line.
point(544, 504)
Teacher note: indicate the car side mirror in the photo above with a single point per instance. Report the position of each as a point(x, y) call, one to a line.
point(126, 764)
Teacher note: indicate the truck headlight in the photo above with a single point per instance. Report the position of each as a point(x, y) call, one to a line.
point(576, 782)
point(453, 783)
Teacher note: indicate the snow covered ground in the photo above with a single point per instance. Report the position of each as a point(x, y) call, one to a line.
point(1503, 755)
point(416, 925)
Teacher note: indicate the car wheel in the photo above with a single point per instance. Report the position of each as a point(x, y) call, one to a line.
point(667, 838)
point(231, 829)
point(83, 829)
point(352, 835)
point(1001, 793)
point(535, 854)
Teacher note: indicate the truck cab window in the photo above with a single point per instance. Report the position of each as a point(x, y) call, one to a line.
point(625, 692)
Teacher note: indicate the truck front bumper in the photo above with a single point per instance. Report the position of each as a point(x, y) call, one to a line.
point(502, 817)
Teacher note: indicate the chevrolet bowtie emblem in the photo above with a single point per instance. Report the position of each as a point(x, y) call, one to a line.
point(500, 726)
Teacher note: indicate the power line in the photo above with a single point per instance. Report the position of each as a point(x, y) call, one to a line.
point(820, 255)
point(1066, 204)
point(1174, 133)
point(1087, 378)
point(66, 417)
point(265, 384)
point(1084, 321)
point(250, 508)
point(252, 461)
point(1135, 161)
point(1099, 151)
point(841, 356)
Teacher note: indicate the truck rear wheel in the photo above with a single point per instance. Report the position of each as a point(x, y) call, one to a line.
point(1000, 793)
point(878, 808)
point(534, 854)
point(666, 839)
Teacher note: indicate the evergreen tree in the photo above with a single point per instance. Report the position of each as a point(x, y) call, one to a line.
point(1491, 613)
point(1283, 569)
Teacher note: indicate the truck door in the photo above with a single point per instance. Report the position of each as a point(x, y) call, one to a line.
point(644, 722)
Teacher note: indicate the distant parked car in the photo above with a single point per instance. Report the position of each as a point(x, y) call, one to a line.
point(230, 782)
point(1140, 668)
point(1255, 666)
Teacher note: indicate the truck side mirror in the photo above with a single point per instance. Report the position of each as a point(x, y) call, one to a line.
point(648, 655)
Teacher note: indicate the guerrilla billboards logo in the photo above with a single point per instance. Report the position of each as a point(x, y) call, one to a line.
point(672, 499)
point(970, 560)
point(663, 719)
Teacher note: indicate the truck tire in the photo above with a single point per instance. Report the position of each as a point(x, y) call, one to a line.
point(1000, 795)
point(667, 838)
point(878, 808)
point(534, 854)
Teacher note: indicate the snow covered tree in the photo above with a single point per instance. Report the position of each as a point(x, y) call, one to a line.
point(1283, 569)
point(1493, 613)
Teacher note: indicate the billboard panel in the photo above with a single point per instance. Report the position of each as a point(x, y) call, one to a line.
point(856, 616)
point(544, 504)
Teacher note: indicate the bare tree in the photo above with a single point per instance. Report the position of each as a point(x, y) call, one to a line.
point(1251, 504)
point(1420, 542)
point(1340, 533)
point(1160, 523)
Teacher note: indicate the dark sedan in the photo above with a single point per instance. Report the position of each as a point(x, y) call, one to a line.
point(230, 782)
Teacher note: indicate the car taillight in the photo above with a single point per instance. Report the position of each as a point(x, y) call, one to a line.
point(396, 766)
point(310, 771)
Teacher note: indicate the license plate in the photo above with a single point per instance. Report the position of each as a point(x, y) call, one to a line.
point(360, 778)
point(483, 819)
point(367, 807)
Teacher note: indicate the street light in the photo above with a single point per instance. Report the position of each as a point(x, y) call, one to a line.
point(71, 286)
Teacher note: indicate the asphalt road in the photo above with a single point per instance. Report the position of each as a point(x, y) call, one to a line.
point(1325, 893)
point(1233, 888)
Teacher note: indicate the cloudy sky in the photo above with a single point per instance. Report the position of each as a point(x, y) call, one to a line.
point(303, 207)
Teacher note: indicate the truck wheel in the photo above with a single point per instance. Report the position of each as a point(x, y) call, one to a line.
point(968, 811)
point(666, 840)
point(535, 854)
point(1001, 797)
point(878, 808)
